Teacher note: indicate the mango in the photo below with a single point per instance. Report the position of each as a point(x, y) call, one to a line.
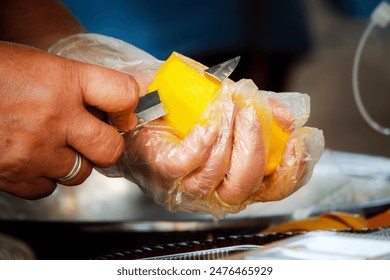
point(278, 140)
point(186, 90)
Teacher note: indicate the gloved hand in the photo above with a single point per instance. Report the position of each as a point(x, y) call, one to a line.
point(219, 167)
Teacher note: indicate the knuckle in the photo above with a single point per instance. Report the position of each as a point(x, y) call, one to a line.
point(100, 143)
point(130, 93)
point(109, 149)
point(81, 177)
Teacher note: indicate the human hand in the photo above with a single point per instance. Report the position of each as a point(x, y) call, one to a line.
point(46, 105)
point(220, 166)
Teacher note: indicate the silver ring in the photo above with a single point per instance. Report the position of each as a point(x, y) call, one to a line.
point(75, 170)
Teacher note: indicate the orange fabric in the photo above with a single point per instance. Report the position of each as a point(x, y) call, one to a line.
point(380, 220)
point(326, 221)
point(352, 221)
point(333, 221)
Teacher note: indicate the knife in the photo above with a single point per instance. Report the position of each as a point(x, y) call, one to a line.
point(150, 107)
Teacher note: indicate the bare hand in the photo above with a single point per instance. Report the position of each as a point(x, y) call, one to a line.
point(46, 105)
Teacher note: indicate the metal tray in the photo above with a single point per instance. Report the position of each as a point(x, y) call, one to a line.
point(114, 202)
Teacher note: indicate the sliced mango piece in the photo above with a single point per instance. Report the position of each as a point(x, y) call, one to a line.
point(186, 90)
point(278, 140)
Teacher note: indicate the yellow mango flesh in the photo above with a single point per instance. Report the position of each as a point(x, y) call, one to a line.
point(278, 140)
point(186, 90)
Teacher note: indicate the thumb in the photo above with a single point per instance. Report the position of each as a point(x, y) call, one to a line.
point(112, 92)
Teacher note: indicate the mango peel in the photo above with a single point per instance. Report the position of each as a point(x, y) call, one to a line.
point(186, 90)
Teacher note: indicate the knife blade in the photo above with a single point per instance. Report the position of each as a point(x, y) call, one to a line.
point(223, 70)
point(150, 107)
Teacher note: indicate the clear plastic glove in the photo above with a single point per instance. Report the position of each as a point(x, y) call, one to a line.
point(219, 167)
point(109, 52)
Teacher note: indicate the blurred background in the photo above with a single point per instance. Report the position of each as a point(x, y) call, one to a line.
point(285, 45)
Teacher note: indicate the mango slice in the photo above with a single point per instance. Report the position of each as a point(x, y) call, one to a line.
point(186, 90)
point(278, 140)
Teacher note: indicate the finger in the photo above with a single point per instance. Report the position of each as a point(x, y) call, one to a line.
point(205, 179)
point(99, 142)
point(84, 169)
point(162, 157)
point(291, 108)
point(60, 162)
point(97, 113)
point(143, 75)
point(178, 157)
point(112, 92)
point(282, 114)
point(248, 159)
point(302, 152)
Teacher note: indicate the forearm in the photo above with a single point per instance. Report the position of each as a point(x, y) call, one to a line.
point(37, 23)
